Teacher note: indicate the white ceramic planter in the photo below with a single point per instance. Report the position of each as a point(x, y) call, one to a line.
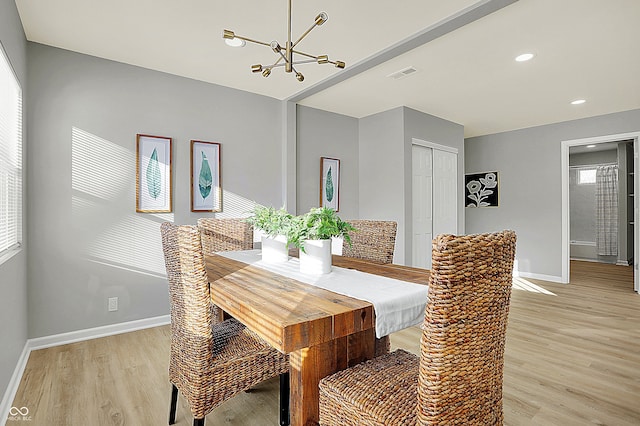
point(317, 259)
point(275, 249)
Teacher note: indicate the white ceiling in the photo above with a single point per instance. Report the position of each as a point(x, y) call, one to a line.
point(584, 49)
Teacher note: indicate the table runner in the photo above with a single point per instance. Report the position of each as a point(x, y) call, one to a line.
point(397, 304)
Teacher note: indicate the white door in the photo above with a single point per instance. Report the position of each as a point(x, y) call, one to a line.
point(445, 183)
point(435, 195)
point(422, 211)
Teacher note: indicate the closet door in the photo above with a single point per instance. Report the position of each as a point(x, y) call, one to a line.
point(435, 195)
point(422, 159)
point(445, 183)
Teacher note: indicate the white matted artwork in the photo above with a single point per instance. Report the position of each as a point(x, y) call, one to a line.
point(153, 174)
point(206, 191)
point(330, 183)
point(481, 189)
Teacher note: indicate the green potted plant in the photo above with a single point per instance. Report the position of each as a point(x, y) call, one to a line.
point(312, 233)
point(274, 225)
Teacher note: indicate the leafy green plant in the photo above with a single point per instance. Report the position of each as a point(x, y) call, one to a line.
point(271, 221)
point(318, 224)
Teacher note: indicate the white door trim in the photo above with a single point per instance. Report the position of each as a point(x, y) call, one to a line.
point(564, 164)
point(433, 145)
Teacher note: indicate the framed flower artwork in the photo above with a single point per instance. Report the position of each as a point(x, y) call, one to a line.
point(481, 189)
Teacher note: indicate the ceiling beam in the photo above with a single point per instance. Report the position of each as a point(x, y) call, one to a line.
point(458, 20)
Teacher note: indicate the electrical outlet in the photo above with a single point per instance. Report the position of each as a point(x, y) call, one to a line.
point(113, 304)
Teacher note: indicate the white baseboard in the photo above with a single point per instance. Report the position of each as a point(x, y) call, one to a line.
point(96, 332)
point(63, 339)
point(551, 278)
point(12, 388)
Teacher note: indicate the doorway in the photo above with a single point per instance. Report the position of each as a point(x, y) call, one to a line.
point(434, 197)
point(633, 200)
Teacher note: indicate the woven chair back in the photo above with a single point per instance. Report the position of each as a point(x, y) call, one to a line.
point(373, 240)
point(225, 234)
point(462, 345)
point(191, 318)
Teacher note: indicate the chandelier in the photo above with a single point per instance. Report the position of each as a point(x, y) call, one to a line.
point(286, 54)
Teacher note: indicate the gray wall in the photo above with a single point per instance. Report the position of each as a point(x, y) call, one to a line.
point(385, 166)
point(87, 242)
point(325, 134)
point(13, 272)
point(530, 184)
point(382, 171)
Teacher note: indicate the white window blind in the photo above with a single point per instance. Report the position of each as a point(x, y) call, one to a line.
point(10, 157)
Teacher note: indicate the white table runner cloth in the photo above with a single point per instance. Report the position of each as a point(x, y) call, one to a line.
point(397, 304)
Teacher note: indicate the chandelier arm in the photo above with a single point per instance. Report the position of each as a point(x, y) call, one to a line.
point(282, 56)
point(253, 41)
point(304, 35)
point(304, 54)
point(338, 64)
point(277, 64)
point(307, 61)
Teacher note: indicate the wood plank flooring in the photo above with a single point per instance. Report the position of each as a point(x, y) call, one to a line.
point(572, 358)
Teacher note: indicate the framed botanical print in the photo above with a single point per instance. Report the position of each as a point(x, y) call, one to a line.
point(153, 174)
point(330, 183)
point(206, 191)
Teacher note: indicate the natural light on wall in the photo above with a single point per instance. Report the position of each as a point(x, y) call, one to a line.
point(10, 157)
point(103, 206)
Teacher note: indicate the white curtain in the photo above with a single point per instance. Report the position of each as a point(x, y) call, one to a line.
point(607, 210)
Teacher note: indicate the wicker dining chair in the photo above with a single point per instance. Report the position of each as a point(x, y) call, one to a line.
point(228, 234)
point(373, 240)
point(457, 380)
point(209, 362)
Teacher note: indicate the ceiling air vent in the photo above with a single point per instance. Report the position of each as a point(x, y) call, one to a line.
point(402, 73)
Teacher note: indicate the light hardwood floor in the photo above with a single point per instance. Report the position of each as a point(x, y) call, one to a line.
point(572, 358)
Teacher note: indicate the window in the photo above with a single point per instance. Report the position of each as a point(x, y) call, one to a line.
point(586, 176)
point(10, 157)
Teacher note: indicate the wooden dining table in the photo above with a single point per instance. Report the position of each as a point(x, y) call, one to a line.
point(322, 331)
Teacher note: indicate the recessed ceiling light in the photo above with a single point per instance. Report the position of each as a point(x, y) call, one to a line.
point(578, 102)
point(524, 57)
point(591, 146)
point(235, 42)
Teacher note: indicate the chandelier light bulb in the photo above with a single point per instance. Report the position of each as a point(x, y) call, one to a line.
point(266, 72)
point(299, 76)
point(275, 46)
point(321, 18)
